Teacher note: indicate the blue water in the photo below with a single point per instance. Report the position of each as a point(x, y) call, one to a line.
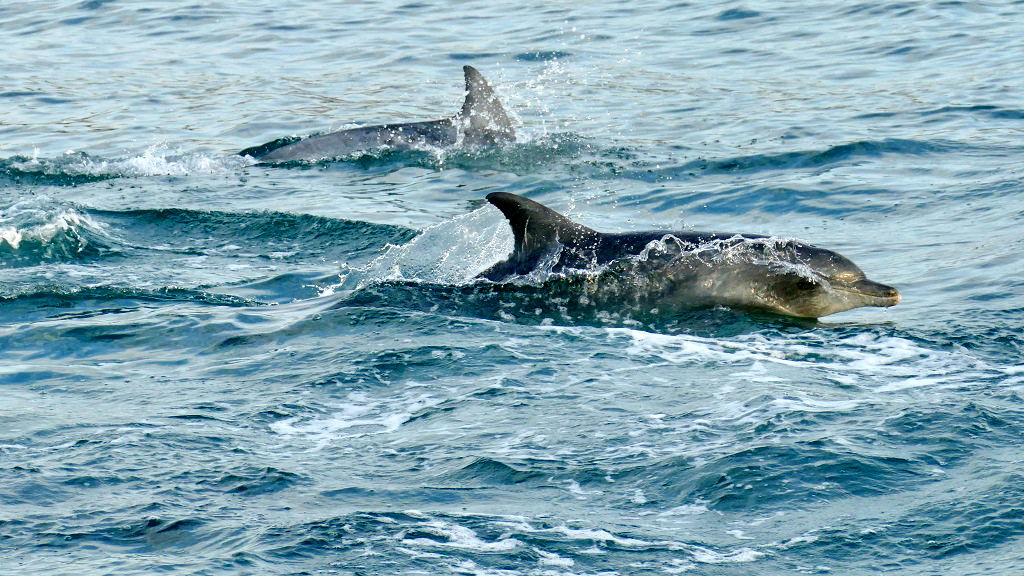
point(209, 366)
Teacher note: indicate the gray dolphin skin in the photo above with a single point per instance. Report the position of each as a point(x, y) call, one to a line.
point(481, 122)
point(670, 270)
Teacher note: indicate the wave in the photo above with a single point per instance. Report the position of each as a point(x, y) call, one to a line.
point(591, 159)
point(986, 110)
point(248, 481)
point(952, 522)
point(56, 253)
point(41, 230)
point(44, 230)
point(76, 168)
point(57, 296)
point(795, 160)
point(488, 544)
point(569, 150)
point(267, 234)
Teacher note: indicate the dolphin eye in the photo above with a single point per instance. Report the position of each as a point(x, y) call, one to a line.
point(803, 284)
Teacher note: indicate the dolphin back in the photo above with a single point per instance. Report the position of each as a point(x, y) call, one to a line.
point(481, 121)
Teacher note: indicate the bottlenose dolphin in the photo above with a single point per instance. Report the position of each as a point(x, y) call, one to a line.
point(668, 270)
point(482, 121)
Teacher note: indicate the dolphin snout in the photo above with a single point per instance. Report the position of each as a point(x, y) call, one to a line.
point(877, 293)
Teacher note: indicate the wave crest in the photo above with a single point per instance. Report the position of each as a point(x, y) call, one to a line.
point(41, 230)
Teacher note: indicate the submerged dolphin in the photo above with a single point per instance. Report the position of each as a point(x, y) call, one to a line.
point(669, 270)
point(482, 121)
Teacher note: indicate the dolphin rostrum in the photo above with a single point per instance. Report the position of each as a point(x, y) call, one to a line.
point(482, 121)
point(667, 270)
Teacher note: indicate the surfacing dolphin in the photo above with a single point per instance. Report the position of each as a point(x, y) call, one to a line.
point(667, 270)
point(481, 122)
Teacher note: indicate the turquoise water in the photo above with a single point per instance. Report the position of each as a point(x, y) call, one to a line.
point(209, 366)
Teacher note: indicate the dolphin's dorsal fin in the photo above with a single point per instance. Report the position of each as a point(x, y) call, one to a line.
point(539, 230)
point(483, 119)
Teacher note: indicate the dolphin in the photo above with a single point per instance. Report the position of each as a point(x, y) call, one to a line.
point(672, 270)
point(481, 122)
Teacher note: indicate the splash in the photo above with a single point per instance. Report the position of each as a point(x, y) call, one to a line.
point(452, 252)
point(43, 230)
point(75, 168)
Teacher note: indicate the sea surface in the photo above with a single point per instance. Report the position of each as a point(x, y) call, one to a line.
point(214, 367)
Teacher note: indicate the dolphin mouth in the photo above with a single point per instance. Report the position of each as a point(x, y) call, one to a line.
point(872, 293)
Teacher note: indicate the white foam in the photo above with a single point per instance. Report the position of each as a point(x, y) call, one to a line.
point(597, 535)
point(12, 236)
point(156, 160)
point(708, 556)
point(552, 559)
point(578, 491)
point(458, 537)
point(899, 363)
point(473, 569)
point(361, 416)
point(688, 349)
point(699, 554)
point(805, 404)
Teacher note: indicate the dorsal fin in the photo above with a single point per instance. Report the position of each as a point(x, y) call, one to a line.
point(483, 119)
point(539, 230)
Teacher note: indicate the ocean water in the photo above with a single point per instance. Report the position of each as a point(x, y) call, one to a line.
point(209, 366)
